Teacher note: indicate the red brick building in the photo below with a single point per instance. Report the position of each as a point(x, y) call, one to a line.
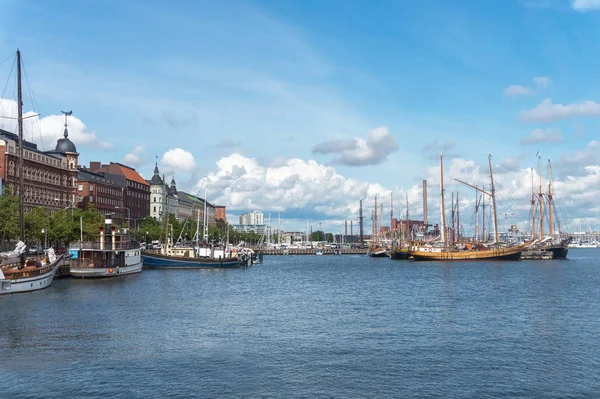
point(136, 190)
point(102, 193)
point(50, 177)
point(221, 214)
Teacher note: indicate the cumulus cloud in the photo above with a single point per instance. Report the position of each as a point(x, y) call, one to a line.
point(547, 111)
point(543, 136)
point(541, 83)
point(134, 158)
point(359, 152)
point(585, 5)
point(244, 183)
point(47, 130)
point(176, 160)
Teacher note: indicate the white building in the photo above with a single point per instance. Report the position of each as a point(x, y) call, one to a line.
point(160, 193)
point(255, 217)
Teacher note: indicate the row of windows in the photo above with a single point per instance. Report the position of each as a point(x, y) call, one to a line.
point(137, 185)
point(41, 175)
point(109, 191)
point(109, 201)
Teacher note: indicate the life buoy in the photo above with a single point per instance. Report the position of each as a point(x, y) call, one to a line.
point(110, 270)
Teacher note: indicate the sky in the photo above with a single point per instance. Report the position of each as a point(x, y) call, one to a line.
point(305, 107)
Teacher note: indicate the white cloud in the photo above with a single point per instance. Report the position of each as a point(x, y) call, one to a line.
point(543, 136)
point(547, 111)
point(585, 5)
point(541, 83)
point(176, 160)
point(243, 183)
point(134, 158)
point(358, 152)
point(47, 130)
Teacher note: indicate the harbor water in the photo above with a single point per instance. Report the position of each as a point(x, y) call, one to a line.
point(312, 326)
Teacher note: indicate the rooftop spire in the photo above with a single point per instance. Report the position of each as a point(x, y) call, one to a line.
point(156, 172)
point(69, 113)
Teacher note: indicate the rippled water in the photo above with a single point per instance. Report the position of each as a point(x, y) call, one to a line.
point(312, 326)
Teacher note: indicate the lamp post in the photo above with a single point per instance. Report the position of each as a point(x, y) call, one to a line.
point(45, 232)
point(128, 214)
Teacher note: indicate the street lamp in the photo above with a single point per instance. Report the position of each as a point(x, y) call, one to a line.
point(45, 232)
point(128, 214)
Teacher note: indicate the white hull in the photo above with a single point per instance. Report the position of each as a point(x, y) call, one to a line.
point(88, 272)
point(28, 284)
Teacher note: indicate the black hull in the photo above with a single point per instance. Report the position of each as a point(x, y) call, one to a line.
point(558, 251)
point(399, 255)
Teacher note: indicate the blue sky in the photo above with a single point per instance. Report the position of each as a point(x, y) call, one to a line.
point(273, 80)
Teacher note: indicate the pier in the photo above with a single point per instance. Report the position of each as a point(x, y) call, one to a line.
point(326, 251)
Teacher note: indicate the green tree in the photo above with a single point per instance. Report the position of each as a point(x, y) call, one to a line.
point(9, 216)
point(36, 220)
point(317, 236)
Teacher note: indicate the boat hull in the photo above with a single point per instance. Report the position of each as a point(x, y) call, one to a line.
point(93, 272)
point(156, 261)
point(492, 254)
point(400, 255)
point(10, 285)
point(558, 251)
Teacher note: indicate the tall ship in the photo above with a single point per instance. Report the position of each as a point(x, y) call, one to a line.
point(401, 246)
point(17, 273)
point(113, 255)
point(376, 248)
point(445, 251)
point(554, 244)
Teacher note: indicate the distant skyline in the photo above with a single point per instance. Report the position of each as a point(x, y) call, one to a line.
point(305, 107)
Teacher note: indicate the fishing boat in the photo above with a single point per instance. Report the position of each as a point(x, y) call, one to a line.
point(114, 255)
point(18, 274)
point(194, 257)
point(443, 251)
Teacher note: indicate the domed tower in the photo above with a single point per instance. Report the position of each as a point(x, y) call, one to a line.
point(173, 186)
point(66, 148)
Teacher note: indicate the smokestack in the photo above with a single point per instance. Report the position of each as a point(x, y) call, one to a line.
point(425, 204)
point(360, 221)
point(351, 232)
point(345, 227)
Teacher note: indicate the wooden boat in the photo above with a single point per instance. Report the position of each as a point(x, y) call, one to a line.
point(35, 274)
point(18, 274)
point(375, 249)
point(462, 252)
point(116, 257)
point(400, 254)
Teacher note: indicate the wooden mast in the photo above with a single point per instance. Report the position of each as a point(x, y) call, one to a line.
point(550, 203)
point(457, 219)
point(541, 196)
point(20, 131)
point(407, 222)
point(532, 207)
point(493, 192)
point(453, 229)
point(443, 210)
point(477, 196)
point(483, 233)
point(375, 223)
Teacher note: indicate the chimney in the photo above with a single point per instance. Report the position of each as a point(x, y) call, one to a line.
point(94, 166)
point(101, 238)
point(425, 204)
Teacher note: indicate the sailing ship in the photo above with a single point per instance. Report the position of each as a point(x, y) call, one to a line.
point(376, 250)
point(17, 273)
point(114, 255)
point(466, 251)
point(181, 257)
point(554, 244)
point(401, 252)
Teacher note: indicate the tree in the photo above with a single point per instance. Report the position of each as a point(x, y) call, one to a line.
point(329, 237)
point(9, 216)
point(36, 220)
point(317, 236)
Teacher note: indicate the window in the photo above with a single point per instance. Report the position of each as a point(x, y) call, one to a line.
point(91, 187)
point(81, 187)
point(91, 198)
point(154, 209)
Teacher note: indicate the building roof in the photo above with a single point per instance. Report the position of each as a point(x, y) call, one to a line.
point(28, 145)
point(156, 180)
point(130, 173)
point(86, 175)
point(186, 197)
point(65, 145)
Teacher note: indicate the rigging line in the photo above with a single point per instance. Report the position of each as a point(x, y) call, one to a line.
point(5, 86)
point(7, 58)
point(36, 107)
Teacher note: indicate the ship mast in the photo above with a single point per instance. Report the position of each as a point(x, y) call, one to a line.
point(20, 130)
point(532, 207)
point(476, 214)
point(550, 204)
point(493, 192)
point(375, 230)
point(541, 196)
point(407, 222)
point(457, 219)
point(443, 231)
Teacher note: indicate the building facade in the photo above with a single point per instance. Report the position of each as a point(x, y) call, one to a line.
point(192, 207)
point(221, 214)
point(255, 217)
point(106, 195)
point(136, 190)
point(50, 177)
point(162, 196)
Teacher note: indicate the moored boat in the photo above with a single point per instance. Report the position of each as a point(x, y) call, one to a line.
point(400, 254)
point(116, 257)
point(35, 274)
point(156, 260)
